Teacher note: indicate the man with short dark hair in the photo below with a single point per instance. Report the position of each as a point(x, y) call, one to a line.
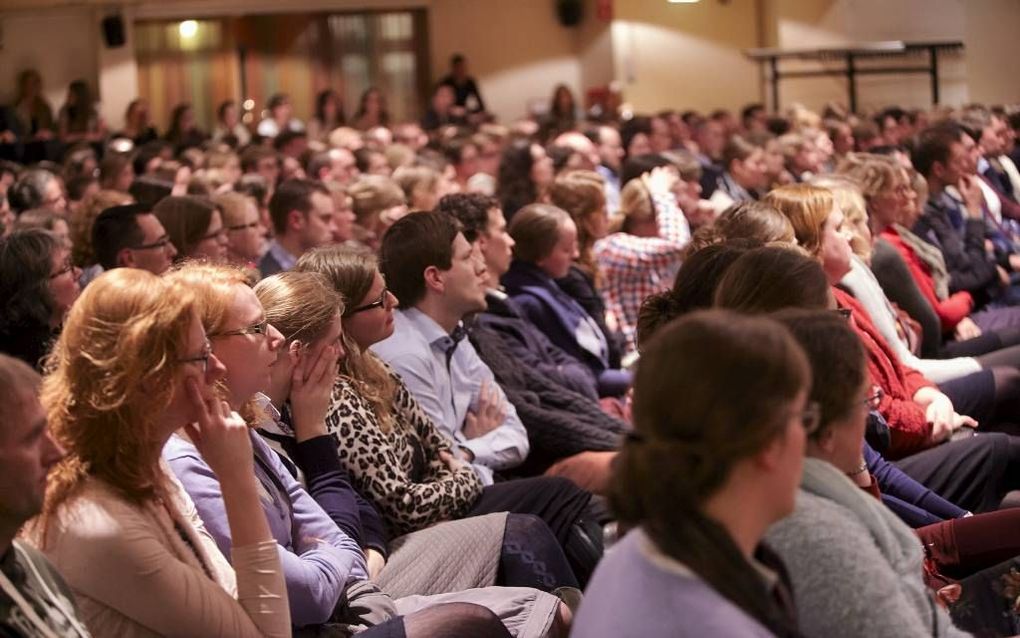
point(439, 279)
point(555, 395)
point(131, 236)
point(335, 166)
point(34, 599)
point(954, 216)
point(302, 215)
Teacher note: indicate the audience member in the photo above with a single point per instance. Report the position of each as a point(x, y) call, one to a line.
point(702, 485)
point(545, 246)
point(131, 367)
point(195, 227)
point(302, 216)
point(36, 600)
point(38, 286)
point(132, 236)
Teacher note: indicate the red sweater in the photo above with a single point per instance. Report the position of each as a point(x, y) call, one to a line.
point(908, 424)
point(952, 310)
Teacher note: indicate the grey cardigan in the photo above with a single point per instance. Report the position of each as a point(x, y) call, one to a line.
point(856, 568)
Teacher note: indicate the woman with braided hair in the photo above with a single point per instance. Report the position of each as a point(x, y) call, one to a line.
point(701, 481)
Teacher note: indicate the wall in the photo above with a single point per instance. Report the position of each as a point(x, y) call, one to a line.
point(991, 38)
point(820, 23)
point(681, 56)
point(516, 49)
point(686, 56)
point(60, 43)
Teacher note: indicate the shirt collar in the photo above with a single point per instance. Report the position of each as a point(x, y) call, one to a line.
point(428, 328)
point(282, 255)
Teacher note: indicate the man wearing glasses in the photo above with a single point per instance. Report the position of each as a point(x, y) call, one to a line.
point(132, 237)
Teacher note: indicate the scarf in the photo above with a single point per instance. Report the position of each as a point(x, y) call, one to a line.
point(932, 258)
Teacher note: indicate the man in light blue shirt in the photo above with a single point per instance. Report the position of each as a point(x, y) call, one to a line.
point(439, 278)
point(302, 211)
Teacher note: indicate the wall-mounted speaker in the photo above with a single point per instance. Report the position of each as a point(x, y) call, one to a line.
point(113, 31)
point(570, 12)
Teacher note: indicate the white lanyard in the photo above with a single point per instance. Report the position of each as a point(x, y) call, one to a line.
point(29, 610)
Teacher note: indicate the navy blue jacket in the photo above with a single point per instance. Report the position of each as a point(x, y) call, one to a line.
point(558, 316)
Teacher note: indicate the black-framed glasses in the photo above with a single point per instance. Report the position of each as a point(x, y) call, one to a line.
point(159, 243)
point(202, 358)
point(254, 224)
point(811, 417)
point(378, 303)
point(873, 399)
point(259, 328)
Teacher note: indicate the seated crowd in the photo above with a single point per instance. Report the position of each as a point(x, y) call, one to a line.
point(670, 375)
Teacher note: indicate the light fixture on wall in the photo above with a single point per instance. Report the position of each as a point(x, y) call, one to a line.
point(188, 29)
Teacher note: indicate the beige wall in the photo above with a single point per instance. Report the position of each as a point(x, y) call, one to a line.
point(820, 23)
point(686, 56)
point(516, 49)
point(664, 55)
point(991, 39)
point(60, 43)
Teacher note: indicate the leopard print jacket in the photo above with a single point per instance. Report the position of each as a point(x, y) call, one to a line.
point(410, 493)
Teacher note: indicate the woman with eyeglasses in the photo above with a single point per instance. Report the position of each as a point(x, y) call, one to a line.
point(327, 549)
point(131, 367)
point(195, 226)
point(401, 462)
point(246, 236)
point(38, 285)
point(959, 544)
point(699, 484)
point(856, 569)
point(920, 413)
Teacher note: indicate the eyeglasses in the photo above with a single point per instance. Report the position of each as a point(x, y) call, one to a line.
point(378, 303)
point(66, 268)
point(811, 418)
point(876, 396)
point(202, 358)
point(159, 243)
point(259, 328)
point(243, 226)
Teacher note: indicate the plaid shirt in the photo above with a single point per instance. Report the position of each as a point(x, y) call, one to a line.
point(635, 267)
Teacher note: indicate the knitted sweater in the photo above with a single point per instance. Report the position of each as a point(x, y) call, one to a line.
point(856, 568)
point(560, 422)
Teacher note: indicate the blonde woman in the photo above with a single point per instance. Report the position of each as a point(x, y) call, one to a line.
point(324, 563)
point(642, 254)
point(246, 236)
point(131, 367)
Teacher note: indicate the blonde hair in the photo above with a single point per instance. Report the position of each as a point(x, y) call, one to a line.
point(411, 177)
point(351, 272)
point(80, 224)
point(301, 305)
point(807, 207)
point(872, 173)
point(372, 194)
point(635, 206)
point(234, 207)
point(110, 378)
point(214, 287)
point(847, 195)
point(581, 194)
